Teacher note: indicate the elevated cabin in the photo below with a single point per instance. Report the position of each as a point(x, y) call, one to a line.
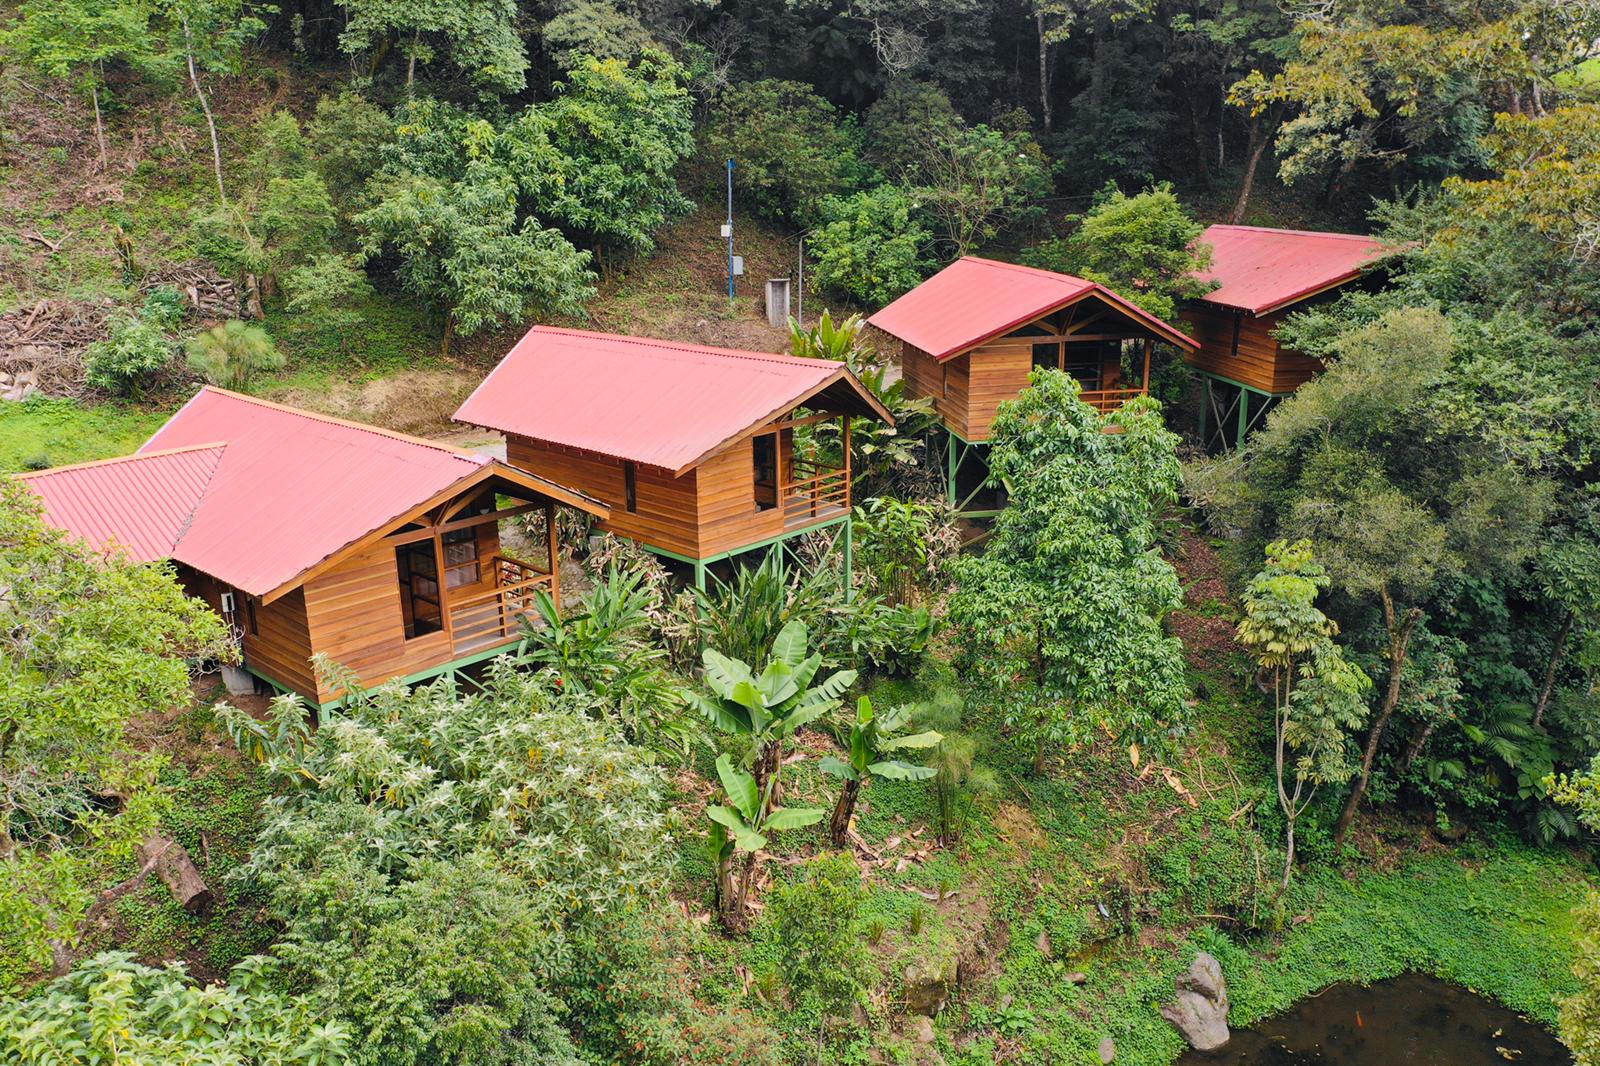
point(1263, 276)
point(971, 334)
point(699, 453)
point(313, 535)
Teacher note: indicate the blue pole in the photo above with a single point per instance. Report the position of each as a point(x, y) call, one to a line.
point(730, 229)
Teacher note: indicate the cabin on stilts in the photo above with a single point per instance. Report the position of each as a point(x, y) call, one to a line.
point(700, 454)
point(971, 334)
point(1263, 276)
point(312, 535)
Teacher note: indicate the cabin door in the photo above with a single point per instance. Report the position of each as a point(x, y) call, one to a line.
point(766, 470)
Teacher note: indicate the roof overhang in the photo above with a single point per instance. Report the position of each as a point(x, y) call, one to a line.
point(1145, 319)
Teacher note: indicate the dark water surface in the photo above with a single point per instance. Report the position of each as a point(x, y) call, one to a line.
point(1411, 1019)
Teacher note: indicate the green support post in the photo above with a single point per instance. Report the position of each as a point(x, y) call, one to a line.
point(1244, 417)
point(849, 561)
point(700, 574)
point(950, 465)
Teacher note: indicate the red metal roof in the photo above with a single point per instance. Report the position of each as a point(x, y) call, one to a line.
point(140, 504)
point(1262, 270)
point(656, 402)
point(974, 300)
point(286, 491)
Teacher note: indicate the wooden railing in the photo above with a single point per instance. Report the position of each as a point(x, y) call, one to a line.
point(823, 494)
point(493, 616)
point(1107, 400)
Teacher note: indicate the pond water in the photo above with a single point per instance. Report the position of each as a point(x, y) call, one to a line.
point(1411, 1019)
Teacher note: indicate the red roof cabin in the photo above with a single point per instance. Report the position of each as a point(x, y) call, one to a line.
point(698, 453)
point(1263, 276)
point(313, 535)
point(971, 334)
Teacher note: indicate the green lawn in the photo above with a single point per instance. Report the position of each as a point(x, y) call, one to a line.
point(40, 432)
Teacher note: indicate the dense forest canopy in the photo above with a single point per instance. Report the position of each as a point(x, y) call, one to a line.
point(1325, 704)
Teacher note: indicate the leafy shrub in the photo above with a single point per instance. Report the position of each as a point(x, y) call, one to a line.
point(789, 146)
point(870, 634)
point(347, 136)
point(905, 120)
point(903, 546)
point(137, 348)
point(871, 246)
point(1205, 864)
point(232, 354)
point(979, 181)
point(112, 1009)
point(326, 289)
point(826, 961)
point(165, 306)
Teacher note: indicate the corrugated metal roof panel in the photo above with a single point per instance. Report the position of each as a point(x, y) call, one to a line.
point(141, 504)
point(292, 488)
point(974, 300)
point(1262, 270)
point(655, 402)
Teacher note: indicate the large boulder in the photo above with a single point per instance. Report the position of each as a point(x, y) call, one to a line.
point(1201, 1010)
point(927, 987)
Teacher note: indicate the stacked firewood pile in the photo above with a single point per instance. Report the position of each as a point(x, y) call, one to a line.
point(41, 346)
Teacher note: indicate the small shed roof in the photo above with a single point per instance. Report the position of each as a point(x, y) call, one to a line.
point(285, 492)
point(1263, 270)
point(655, 402)
point(974, 300)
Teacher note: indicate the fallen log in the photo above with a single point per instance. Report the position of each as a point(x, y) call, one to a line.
point(177, 871)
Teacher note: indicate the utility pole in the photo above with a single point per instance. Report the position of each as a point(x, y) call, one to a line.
point(800, 289)
point(727, 229)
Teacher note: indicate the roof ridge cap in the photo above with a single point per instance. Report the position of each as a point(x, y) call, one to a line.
point(347, 423)
point(682, 346)
point(1298, 232)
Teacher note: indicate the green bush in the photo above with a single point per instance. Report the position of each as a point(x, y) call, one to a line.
point(905, 120)
point(1204, 864)
point(871, 246)
point(112, 1009)
point(789, 146)
point(122, 363)
point(826, 961)
point(232, 354)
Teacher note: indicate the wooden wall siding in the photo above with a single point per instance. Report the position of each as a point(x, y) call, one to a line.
point(281, 646)
point(999, 373)
point(1259, 360)
point(946, 384)
point(668, 514)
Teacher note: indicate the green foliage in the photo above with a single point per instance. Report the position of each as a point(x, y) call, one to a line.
point(421, 828)
point(742, 826)
point(959, 779)
point(1205, 863)
point(905, 546)
point(817, 918)
point(346, 136)
point(903, 122)
point(978, 182)
point(477, 38)
point(605, 649)
point(620, 130)
point(789, 148)
point(112, 1009)
point(870, 246)
point(86, 642)
point(1145, 248)
point(327, 289)
point(462, 249)
point(1060, 617)
point(139, 346)
point(869, 748)
point(232, 354)
point(1580, 1013)
point(581, 31)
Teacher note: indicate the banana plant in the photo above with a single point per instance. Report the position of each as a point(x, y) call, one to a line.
point(768, 708)
point(873, 740)
point(741, 826)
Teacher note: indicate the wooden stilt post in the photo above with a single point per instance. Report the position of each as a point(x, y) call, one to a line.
point(1144, 382)
point(555, 553)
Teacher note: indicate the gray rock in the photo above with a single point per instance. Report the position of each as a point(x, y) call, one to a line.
point(1108, 1050)
point(1201, 1010)
point(1077, 977)
point(922, 1030)
point(1045, 947)
point(927, 989)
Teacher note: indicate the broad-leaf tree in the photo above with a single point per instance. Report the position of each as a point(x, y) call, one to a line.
point(1318, 696)
point(88, 642)
point(1061, 616)
point(740, 827)
point(765, 709)
point(874, 739)
point(477, 38)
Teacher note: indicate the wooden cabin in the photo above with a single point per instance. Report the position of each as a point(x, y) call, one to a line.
point(698, 453)
point(973, 333)
point(1262, 276)
point(313, 535)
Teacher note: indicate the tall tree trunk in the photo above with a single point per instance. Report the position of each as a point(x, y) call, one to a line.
point(411, 62)
point(1400, 631)
point(1414, 748)
point(1259, 140)
point(1556, 656)
point(205, 105)
point(99, 126)
point(1044, 71)
point(839, 825)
